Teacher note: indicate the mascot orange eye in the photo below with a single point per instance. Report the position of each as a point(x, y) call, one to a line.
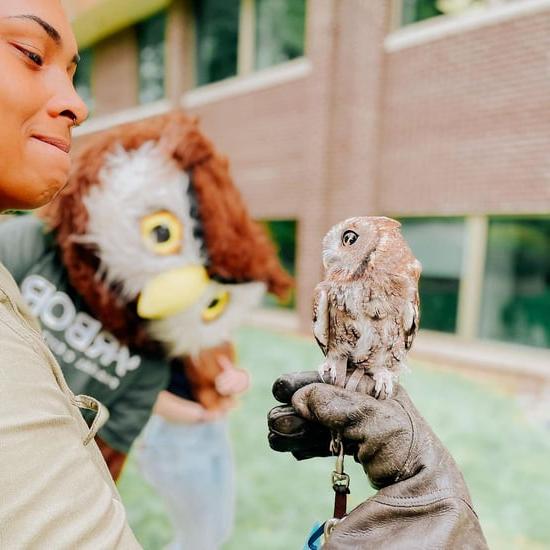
point(162, 233)
point(216, 307)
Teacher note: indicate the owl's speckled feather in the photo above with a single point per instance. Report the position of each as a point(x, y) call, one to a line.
point(365, 312)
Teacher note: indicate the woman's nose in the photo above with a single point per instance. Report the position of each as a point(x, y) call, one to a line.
point(65, 102)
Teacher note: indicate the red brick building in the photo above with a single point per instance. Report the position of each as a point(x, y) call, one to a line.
point(337, 108)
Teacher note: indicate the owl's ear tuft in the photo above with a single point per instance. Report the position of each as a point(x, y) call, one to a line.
point(389, 223)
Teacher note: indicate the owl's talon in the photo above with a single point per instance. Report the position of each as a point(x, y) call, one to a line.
point(383, 387)
point(326, 372)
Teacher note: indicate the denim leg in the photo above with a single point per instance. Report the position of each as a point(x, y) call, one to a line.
point(191, 467)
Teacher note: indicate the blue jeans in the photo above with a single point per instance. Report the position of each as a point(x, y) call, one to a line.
point(191, 467)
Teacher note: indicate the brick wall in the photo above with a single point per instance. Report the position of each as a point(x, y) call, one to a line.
point(115, 75)
point(345, 46)
point(263, 133)
point(466, 122)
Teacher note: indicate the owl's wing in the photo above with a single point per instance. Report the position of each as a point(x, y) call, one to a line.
point(411, 319)
point(320, 317)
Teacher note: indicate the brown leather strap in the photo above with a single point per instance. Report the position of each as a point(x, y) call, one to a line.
point(355, 378)
point(340, 502)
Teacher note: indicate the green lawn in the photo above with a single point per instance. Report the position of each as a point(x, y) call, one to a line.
point(505, 458)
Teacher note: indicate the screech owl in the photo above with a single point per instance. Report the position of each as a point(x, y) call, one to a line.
point(366, 311)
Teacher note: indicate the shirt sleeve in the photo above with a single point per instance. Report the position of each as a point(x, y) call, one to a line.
point(23, 241)
point(132, 408)
point(55, 493)
point(179, 384)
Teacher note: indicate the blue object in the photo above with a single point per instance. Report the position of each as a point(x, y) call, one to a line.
point(191, 468)
point(314, 537)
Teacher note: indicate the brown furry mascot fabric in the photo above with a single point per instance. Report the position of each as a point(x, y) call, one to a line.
point(238, 248)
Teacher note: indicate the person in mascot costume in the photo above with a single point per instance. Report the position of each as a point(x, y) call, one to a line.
point(138, 272)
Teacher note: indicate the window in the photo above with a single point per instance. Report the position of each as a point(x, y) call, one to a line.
point(418, 10)
point(516, 297)
point(237, 36)
point(439, 245)
point(217, 32)
point(283, 234)
point(280, 28)
point(151, 36)
point(83, 78)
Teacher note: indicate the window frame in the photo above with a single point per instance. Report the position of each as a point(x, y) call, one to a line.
point(246, 42)
point(518, 218)
point(464, 220)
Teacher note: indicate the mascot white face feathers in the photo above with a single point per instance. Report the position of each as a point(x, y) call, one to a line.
point(135, 189)
point(143, 223)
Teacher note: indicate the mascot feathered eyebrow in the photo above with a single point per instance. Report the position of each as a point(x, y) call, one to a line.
point(156, 241)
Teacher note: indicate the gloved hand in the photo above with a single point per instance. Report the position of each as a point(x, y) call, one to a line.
point(422, 499)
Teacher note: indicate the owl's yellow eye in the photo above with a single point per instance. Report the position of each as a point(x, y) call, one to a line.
point(162, 233)
point(216, 307)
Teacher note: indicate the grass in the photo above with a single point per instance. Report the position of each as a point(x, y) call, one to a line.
point(504, 457)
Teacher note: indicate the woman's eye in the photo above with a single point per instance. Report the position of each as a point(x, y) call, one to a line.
point(162, 233)
point(216, 307)
point(34, 57)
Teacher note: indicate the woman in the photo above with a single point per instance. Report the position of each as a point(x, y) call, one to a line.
point(56, 489)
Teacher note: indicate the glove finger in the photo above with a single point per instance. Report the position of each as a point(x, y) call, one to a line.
point(290, 432)
point(284, 421)
point(311, 445)
point(285, 386)
point(332, 406)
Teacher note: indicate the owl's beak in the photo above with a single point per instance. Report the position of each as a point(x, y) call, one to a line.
point(172, 291)
point(329, 257)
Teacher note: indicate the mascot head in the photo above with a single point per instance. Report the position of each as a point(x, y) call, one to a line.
point(156, 238)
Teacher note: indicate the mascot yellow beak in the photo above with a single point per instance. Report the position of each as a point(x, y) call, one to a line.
point(172, 292)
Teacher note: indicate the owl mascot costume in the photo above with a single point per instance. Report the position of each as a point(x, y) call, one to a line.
point(138, 272)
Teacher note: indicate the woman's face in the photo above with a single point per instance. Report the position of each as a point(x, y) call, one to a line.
point(38, 103)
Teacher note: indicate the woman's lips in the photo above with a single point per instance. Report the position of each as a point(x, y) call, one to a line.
point(60, 143)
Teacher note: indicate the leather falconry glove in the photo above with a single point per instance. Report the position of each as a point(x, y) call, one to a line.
point(422, 500)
